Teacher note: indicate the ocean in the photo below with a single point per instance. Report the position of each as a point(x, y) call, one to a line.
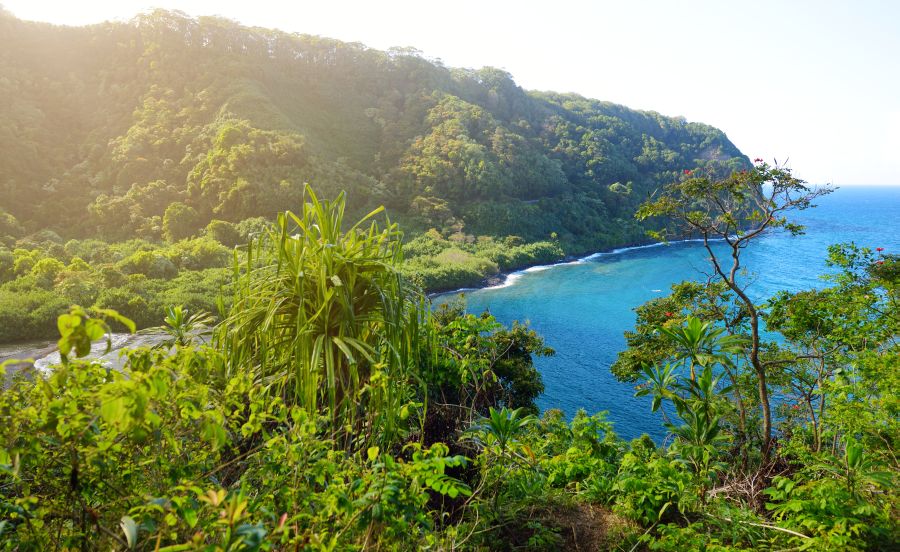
point(582, 308)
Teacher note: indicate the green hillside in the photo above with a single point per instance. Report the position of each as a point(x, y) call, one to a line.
point(298, 390)
point(152, 129)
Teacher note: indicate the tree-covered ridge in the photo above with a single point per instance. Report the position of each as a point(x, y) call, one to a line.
point(134, 155)
point(117, 121)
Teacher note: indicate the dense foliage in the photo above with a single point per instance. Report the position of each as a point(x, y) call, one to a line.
point(170, 129)
point(306, 397)
point(331, 409)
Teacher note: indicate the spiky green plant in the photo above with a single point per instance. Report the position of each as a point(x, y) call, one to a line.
point(500, 427)
point(182, 326)
point(701, 343)
point(322, 317)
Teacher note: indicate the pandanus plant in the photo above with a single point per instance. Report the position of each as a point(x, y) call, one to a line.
point(700, 407)
point(496, 434)
point(698, 401)
point(323, 319)
point(702, 344)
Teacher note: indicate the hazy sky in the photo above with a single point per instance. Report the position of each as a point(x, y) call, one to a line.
point(815, 81)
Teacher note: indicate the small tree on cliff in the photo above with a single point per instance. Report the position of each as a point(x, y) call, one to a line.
point(734, 210)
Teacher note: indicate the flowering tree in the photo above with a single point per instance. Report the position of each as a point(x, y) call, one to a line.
point(734, 210)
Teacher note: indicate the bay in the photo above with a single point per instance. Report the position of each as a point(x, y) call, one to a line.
point(582, 308)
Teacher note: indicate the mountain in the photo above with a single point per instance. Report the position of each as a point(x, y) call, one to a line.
point(134, 156)
point(105, 126)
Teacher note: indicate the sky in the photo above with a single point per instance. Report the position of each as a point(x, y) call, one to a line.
point(813, 83)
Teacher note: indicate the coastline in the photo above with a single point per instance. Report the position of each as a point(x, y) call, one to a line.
point(42, 354)
point(509, 278)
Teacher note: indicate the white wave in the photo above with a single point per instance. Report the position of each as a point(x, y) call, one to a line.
point(508, 281)
point(513, 277)
point(112, 359)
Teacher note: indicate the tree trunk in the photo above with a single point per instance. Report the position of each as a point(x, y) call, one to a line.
point(760, 376)
point(731, 281)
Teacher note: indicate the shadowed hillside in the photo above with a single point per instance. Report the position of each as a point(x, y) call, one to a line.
point(106, 126)
point(134, 156)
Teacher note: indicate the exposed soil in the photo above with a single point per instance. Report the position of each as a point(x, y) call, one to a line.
point(582, 527)
point(587, 527)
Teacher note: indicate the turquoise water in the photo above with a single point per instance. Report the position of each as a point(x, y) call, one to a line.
point(582, 308)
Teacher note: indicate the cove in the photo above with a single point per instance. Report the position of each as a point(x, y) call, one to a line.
point(583, 307)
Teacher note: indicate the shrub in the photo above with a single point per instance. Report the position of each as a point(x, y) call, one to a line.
point(129, 304)
point(225, 233)
point(91, 250)
point(198, 254)
point(180, 221)
point(30, 314)
point(253, 227)
point(7, 265)
point(46, 270)
point(150, 264)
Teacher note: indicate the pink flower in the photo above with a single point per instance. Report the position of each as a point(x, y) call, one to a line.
point(879, 262)
point(879, 249)
point(796, 407)
point(669, 314)
point(687, 171)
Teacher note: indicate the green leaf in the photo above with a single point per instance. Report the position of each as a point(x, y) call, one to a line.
point(113, 411)
point(190, 517)
point(372, 453)
point(82, 346)
point(110, 313)
point(67, 323)
point(95, 329)
point(130, 528)
point(65, 347)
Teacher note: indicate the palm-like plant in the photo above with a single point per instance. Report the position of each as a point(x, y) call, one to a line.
point(702, 343)
point(698, 404)
point(500, 427)
point(322, 318)
point(182, 326)
point(660, 383)
point(858, 470)
point(700, 408)
point(496, 434)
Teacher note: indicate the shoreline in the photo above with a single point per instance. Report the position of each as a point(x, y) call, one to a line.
point(506, 279)
point(44, 354)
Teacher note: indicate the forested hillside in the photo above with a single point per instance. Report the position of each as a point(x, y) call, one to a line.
point(222, 184)
point(169, 128)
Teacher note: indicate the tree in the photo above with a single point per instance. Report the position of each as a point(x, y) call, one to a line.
point(224, 232)
point(9, 227)
point(836, 340)
point(180, 221)
point(734, 210)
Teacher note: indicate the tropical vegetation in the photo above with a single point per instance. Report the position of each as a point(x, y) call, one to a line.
point(170, 139)
point(332, 409)
point(239, 193)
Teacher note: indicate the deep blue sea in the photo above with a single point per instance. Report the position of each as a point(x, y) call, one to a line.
point(582, 308)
